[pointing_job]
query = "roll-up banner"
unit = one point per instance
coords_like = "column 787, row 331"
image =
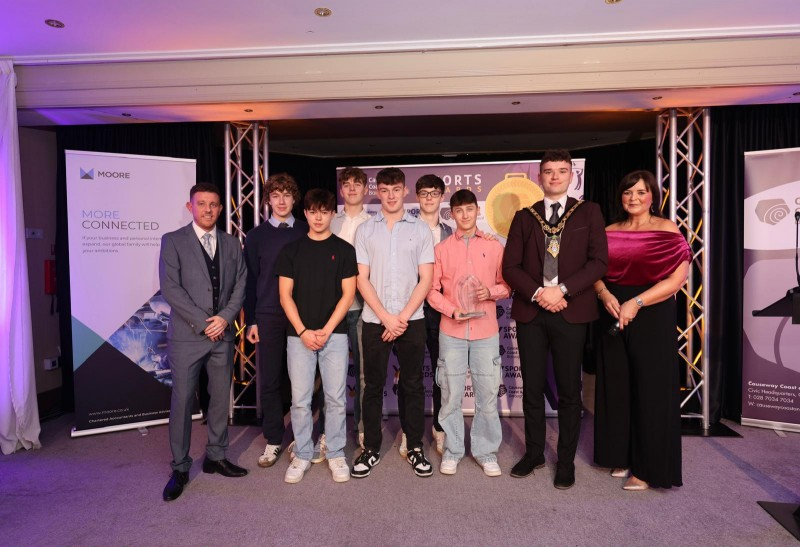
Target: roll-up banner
column 771, row 337
column 502, row 188
column 118, row 208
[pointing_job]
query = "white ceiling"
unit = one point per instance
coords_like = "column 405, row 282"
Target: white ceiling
column 201, row 28
column 719, row 66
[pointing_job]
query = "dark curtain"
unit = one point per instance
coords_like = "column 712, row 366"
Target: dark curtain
column 734, row 131
column 606, row 165
column 200, row 141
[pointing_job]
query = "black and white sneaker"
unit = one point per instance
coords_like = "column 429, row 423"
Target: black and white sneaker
column 422, row 467
column 365, row 462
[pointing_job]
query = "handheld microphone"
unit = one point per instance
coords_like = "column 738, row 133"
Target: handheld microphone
column 614, row 330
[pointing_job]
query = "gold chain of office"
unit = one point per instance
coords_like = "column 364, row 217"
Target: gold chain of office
column 552, row 234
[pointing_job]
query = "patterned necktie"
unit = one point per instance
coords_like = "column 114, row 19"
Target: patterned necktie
column 207, row 245
column 554, row 215
column 283, row 225
column 550, row 261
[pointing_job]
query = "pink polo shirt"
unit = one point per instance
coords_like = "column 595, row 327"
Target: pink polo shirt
column 456, row 257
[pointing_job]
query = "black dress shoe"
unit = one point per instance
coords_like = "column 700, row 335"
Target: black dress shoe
column 565, row 478
column 223, row 467
column 174, row 487
column 526, row 465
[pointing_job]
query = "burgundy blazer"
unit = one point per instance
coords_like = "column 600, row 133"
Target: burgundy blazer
column 582, row 260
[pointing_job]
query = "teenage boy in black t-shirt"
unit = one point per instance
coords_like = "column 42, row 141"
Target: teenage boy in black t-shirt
column 317, row 284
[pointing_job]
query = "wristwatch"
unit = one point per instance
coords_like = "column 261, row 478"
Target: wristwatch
column 638, row 301
column 563, row 288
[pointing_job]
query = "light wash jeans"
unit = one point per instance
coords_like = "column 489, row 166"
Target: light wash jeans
column 302, row 364
column 483, row 359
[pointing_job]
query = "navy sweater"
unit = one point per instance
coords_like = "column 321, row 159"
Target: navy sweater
column 261, row 250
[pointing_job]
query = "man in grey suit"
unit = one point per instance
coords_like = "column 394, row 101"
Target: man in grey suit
column 203, row 278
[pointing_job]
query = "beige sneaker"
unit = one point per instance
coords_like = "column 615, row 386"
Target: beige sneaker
column 438, row 437
column 403, row 448
column 296, row 470
column 491, row 469
column 320, row 449
column 339, row 469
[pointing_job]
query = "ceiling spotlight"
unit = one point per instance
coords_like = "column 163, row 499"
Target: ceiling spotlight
column 378, row 107
column 657, row 98
column 609, row 2
column 322, row 12
column 126, row 114
column 248, row 110
column 515, row 103
column 55, row 23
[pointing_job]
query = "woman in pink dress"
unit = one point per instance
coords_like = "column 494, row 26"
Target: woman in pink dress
column 637, row 406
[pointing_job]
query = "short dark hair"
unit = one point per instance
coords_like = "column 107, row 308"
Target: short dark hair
column 320, row 199
column 430, row 181
column 630, row 180
column 355, row 173
column 281, row 182
column 463, row 197
column 205, row 187
column 555, row 155
column 390, row 176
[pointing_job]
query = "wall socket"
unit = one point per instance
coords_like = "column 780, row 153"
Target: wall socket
column 51, row 364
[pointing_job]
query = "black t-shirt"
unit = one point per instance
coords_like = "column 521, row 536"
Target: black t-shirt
column 317, row 268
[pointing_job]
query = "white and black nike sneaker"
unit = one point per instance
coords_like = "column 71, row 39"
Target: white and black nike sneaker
column 422, row 467
column 365, row 462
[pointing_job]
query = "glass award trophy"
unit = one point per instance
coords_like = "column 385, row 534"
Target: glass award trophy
column 467, row 291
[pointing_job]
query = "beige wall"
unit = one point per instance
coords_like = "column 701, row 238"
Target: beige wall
column 38, row 161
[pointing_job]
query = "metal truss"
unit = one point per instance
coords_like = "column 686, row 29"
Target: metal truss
column 683, row 141
column 246, row 163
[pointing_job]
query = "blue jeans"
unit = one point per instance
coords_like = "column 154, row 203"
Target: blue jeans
column 353, row 322
column 483, row 359
column 302, row 370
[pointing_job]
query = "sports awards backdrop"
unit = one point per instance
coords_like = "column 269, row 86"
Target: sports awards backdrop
column 118, row 208
column 502, row 189
column 771, row 343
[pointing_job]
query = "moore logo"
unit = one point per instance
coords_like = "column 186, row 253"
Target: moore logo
column 502, row 390
column 90, row 174
column 500, row 311
column 446, row 213
column 502, row 350
column 772, row 211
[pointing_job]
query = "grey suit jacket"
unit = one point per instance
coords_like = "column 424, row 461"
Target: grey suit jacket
column 186, row 284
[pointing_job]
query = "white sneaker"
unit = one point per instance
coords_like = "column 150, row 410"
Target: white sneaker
column 339, row 469
column 270, row 455
column 438, row 436
column 296, row 470
column 491, row 469
column 448, row 467
column 320, row 449
column 403, row 448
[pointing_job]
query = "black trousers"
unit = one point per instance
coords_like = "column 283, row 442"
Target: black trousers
column 410, row 348
column 272, row 375
column 432, row 320
column 550, row 332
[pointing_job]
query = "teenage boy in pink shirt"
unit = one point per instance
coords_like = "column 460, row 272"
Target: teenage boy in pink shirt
column 468, row 334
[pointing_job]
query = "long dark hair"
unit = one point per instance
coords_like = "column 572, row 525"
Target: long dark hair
column 630, row 180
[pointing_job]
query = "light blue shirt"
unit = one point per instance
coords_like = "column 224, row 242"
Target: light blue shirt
column 275, row 222
column 393, row 259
